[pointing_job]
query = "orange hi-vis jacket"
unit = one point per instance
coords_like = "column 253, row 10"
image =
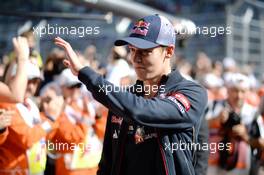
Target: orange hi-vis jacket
column 75, row 124
column 23, row 134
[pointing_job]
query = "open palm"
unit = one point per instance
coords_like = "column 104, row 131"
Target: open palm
column 73, row 61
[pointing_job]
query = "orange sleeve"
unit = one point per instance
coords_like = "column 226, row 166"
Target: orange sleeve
column 214, row 123
column 3, row 136
column 54, row 124
column 26, row 136
column 69, row 132
column 100, row 122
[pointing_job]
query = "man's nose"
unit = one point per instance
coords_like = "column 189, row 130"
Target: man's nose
column 137, row 57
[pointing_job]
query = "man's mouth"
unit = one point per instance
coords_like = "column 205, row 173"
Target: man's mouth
column 139, row 67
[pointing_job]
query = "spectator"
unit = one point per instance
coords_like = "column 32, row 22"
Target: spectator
column 229, row 123
column 15, row 89
column 77, row 123
column 24, row 150
column 118, row 67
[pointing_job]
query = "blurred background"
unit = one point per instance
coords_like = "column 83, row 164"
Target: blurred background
column 244, row 44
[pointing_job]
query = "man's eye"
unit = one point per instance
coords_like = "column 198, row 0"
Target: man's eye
column 132, row 50
column 147, row 52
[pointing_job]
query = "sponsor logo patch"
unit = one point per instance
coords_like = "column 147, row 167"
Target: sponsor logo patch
column 178, row 104
column 141, row 27
column 116, row 119
column 180, row 98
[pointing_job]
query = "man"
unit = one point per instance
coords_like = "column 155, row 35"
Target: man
column 24, row 151
column 230, row 121
column 13, row 91
column 143, row 126
column 76, row 128
column 34, row 55
column 118, row 67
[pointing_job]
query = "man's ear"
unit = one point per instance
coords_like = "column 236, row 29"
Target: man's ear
column 169, row 51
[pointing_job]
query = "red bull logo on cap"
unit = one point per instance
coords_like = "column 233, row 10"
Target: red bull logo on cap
column 141, row 27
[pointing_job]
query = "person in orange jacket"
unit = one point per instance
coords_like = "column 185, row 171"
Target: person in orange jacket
column 5, row 121
column 14, row 91
column 3, row 135
column 75, row 143
column 24, row 150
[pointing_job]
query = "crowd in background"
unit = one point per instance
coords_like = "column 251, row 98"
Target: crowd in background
column 50, row 123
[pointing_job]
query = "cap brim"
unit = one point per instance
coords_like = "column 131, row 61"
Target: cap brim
column 71, row 84
column 35, row 77
column 137, row 42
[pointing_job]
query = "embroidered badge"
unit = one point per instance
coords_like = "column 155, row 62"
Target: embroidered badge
column 141, row 27
column 117, row 120
column 139, row 135
column 182, row 99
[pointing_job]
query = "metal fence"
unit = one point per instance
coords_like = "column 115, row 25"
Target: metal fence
column 246, row 43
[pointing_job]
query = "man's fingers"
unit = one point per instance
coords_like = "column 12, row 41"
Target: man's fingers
column 21, row 47
column 63, row 43
column 66, row 47
column 59, row 39
column 60, row 44
column 72, row 62
column 71, row 54
column 21, row 40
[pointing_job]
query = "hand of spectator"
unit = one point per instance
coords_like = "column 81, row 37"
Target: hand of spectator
column 5, row 118
column 21, row 48
column 261, row 143
column 223, row 116
column 256, row 143
column 73, row 61
column 54, row 107
column 240, row 131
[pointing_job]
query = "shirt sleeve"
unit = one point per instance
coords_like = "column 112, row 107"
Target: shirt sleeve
column 180, row 110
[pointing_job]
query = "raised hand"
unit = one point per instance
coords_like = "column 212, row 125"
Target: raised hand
column 21, row 48
column 224, row 114
column 73, row 61
column 240, row 131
